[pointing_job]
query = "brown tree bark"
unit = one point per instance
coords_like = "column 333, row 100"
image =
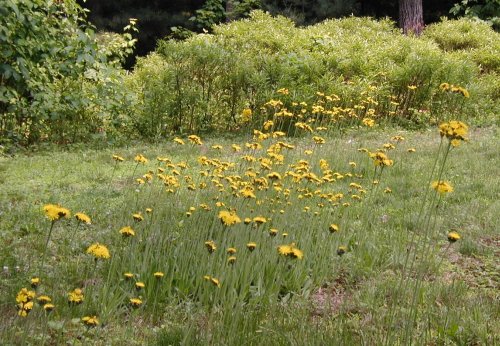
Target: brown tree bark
column 411, row 18
column 229, row 10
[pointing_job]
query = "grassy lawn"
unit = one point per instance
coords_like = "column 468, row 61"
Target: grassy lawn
column 398, row 280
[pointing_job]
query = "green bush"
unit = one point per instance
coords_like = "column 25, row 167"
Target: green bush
column 57, row 82
column 203, row 83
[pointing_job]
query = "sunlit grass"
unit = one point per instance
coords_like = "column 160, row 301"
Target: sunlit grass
column 329, row 296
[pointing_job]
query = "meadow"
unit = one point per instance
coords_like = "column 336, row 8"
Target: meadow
column 327, row 236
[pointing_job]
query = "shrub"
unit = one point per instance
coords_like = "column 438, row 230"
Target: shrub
column 203, row 83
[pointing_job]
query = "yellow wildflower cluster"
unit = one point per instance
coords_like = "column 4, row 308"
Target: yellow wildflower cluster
column 56, row 212
column 455, row 131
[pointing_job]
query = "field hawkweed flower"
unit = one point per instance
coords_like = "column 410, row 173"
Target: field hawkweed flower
column 158, row 275
column 210, row 245
column 368, row 122
column 442, row 187
column 25, row 295
column 98, row 251
column 412, row 150
column 246, row 115
column 259, row 220
column 35, row 282
column 215, row 282
column 135, row 302
column 81, row 217
column 251, row 246
column 341, row 250
column 228, row 218
column 334, row 228
column 231, row 250
column 76, row 296
column 128, row 276
column 195, row 139
column 231, row 259
column 48, row 307
column 118, row 158
column 90, row 321
column 24, row 308
column 453, row 236
column 149, row 210
column 273, row 232
column 247, row 220
column 138, row 217
column 290, row 251
column 42, row 300
column 139, row 285
column 381, row 159
column 140, row 159
column 455, row 131
column 127, row 231
column 55, row 212
column 178, row 141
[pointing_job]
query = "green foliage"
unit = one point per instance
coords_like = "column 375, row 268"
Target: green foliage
column 487, row 10
column 57, row 81
column 204, row 83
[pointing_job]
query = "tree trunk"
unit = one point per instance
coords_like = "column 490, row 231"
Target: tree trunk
column 229, row 10
column 411, row 18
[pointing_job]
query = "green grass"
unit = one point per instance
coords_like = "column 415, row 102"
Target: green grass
column 323, row 299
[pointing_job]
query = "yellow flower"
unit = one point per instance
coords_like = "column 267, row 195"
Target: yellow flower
column 333, row 228
column 247, row 220
column 453, row 236
column 318, row 140
column 90, row 321
column 149, row 210
column 231, row 259
column 55, row 212
column 290, row 251
column 231, row 250
column 454, row 130
column 98, row 251
column 118, row 158
column 193, row 139
column 135, row 302
column 412, row 150
column 35, row 282
column 140, row 159
column 215, row 281
column 246, row 115
column 273, row 232
column 138, row 217
column 25, row 295
column 368, row 122
column 444, row 86
column 127, row 231
column 178, row 141
column 75, row 296
column 81, row 217
column 158, row 275
column 128, row 275
column 228, row 218
column 42, row 300
column 210, row 245
column 442, row 187
column 380, row 159
column 251, row 246
column 48, row 307
column 259, row 220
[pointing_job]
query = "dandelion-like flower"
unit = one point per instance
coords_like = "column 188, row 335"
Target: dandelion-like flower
column 35, row 282
column 341, row 250
column 135, row 302
column 118, row 158
column 251, row 246
column 139, row 285
column 210, row 245
column 333, row 228
column 140, row 159
column 138, row 217
column 98, row 251
column 76, row 296
column 228, row 218
column 81, row 217
column 453, row 236
column 455, row 131
column 127, row 231
column 55, row 212
column 442, row 187
column 90, row 321
column 158, row 275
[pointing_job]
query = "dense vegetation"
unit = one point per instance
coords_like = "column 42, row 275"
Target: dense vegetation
column 317, row 216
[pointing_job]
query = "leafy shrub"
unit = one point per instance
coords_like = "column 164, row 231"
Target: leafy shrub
column 203, row 83
column 57, row 81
